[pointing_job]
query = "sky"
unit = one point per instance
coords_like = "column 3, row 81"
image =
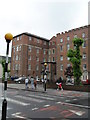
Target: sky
column 44, row 18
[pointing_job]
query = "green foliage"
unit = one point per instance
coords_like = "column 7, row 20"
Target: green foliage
column 75, row 59
column 3, row 62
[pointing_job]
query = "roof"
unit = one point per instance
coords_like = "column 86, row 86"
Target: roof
column 32, row 35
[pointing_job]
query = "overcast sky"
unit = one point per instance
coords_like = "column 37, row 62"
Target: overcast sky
column 44, row 18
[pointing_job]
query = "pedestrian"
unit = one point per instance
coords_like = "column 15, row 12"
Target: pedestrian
column 35, row 84
column 32, row 82
column 26, row 83
column 59, row 84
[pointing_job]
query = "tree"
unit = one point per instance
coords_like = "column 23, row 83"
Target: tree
column 3, row 62
column 75, row 59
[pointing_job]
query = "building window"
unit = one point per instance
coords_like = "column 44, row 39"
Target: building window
column 16, row 67
column 61, row 57
column 84, row 66
column 84, row 55
column 61, row 67
column 44, row 42
column 14, row 49
column 49, row 52
column 68, row 58
column 49, row 60
column 16, row 57
column 53, row 43
column 29, row 48
column 75, row 36
column 29, row 67
column 53, row 51
column 37, row 40
column 20, row 48
column 68, row 46
column 53, row 60
column 49, row 43
column 61, row 48
column 29, row 57
column 37, row 67
column 84, row 44
column 83, row 35
column 61, row 40
column 44, row 60
column 17, row 38
column 30, row 38
column 37, row 58
column 37, row 50
column 44, row 52
column 20, row 37
column 17, row 48
column 68, row 65
column 68, row 38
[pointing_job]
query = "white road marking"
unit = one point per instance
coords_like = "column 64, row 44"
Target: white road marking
column 17, row 102
column 34, row 108
column 47, row 98
column 67, row 100
column 46, row 105
column 18, row 115
column 79, row 113
column 58, row 102
column 76, row 105
column 74, row 99
column 29, row 98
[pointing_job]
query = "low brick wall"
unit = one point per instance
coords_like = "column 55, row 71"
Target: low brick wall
column 84, row 88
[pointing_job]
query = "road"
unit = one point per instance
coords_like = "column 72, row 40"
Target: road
column 29, row 105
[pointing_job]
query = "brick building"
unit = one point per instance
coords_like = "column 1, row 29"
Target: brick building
column 30, row 52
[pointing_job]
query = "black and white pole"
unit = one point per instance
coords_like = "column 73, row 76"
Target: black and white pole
column 45, row 77
column 8, row 38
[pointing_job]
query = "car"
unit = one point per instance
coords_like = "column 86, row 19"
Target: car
column 20, row 79
column 86, row 82
column 14, row 77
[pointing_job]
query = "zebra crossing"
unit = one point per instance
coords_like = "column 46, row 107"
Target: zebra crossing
column 35, row 102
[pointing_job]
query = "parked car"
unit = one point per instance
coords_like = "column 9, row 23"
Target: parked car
column 86, row 82
column 20, row 79
column 14, row 77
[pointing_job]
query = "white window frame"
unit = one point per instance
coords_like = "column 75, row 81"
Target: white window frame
column 61, row 40
column 61, row 57
column 29, row 67
column 61, row 67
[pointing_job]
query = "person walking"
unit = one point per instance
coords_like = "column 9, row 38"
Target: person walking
column 32, row 82
column 59, row 84
column 35, row 84
column 26, row 83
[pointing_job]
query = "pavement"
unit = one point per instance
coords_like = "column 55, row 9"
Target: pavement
column 49, row 90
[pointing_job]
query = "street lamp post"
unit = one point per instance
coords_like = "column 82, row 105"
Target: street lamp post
column 45, row 75
column 8, row 38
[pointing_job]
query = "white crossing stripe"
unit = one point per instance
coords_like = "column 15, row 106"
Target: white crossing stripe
column 58, row 102
column 17, row 102
column 46, row 105
column 18, row 115
column 67, row 100
column 47, row 98
column 30, row 99
column 34, row 108
column 74, row 99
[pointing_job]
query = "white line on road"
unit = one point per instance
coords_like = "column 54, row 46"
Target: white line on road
column 17, row 102
column 79, row 113
column 74, row 99
column 34, row 109
column 67, row 100
column 46, row 105
column 17, row 115
column 47, row 98
column 29, row 98
column 76, row 105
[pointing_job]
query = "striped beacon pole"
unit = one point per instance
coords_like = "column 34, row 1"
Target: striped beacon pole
column 45, row 78
column 8, row 38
